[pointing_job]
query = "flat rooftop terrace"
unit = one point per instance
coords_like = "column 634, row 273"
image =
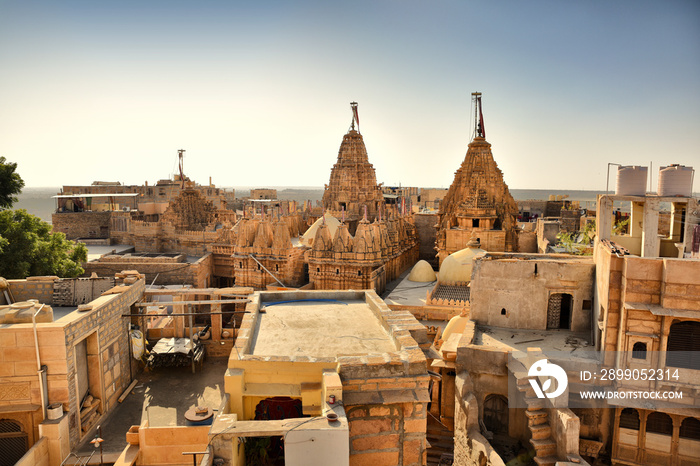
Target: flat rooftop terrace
column 576, row 344
column 319, row 328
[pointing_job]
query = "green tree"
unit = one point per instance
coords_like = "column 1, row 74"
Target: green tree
column 10, row 183
column 27, row 247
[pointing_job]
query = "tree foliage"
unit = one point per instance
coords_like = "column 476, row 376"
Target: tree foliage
column 10, row 183
column 27, row 247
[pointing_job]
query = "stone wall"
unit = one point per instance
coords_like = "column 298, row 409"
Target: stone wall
column 111, row 360
column 387, row 434
column 198, row 274
column 426, row 228
column 82, row 224
column 470, row 447
column 76, row 291
column 38, row 455
column 40, row 288
column 500, row 280
column 19, row 383
column 108, row 370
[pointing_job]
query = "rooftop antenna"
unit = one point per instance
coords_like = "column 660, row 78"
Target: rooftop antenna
column 180, row 156
column 355, row 117
column 479, row 130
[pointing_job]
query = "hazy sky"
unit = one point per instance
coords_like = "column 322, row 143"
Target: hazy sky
column 258, row 92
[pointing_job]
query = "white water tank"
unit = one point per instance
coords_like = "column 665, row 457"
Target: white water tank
column 631, row 181
column 675, row 180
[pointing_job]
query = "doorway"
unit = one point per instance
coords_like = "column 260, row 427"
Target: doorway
column 496, row 414
column 559, row 311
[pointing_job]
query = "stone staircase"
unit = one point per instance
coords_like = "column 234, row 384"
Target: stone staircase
column 537, row 419
column 542, row 441
column 440, row 443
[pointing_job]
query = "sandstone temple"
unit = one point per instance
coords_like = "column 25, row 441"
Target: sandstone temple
column 478, row 202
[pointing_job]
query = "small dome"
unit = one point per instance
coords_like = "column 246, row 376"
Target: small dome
column 307, row 239
column 422, row 272
column 457, row 267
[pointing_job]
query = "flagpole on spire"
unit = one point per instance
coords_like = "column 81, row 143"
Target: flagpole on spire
column 355, row 116
column 479, row 130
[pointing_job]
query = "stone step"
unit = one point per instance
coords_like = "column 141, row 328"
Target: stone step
column 534, row 404
column 544, row 447
column 541, row 431
column 546, row 461
column 535, row 418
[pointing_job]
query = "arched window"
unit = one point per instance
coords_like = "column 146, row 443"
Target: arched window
column 13, row 441
column 660, row 423
column 639, row 350
column 629, row 419
column 690, row 428
column 684, row 345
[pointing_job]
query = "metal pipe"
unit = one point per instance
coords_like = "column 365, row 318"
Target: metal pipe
column 185, row 314
column 189, row 310
column 607, row 177
column 42, row 389
column 175, row 303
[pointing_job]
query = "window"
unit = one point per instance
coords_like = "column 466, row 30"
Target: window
column 639, row 350
column 337, row 271
column 629, row 419
column 475, row 223
column 660, row 423
column 690, row 428
column 359, row 273
column 318, row 269
column 683, row 349
column 13, row 441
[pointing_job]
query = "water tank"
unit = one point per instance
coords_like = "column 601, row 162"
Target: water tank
column 631, row 181
column 675, row 180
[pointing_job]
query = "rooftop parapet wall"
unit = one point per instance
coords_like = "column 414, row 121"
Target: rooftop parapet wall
column 669, row 283
column 39, row 288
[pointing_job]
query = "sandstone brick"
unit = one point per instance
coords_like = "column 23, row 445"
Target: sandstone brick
column 643, row 268
column 18, row 354
column 415, row 425
column 379, row 411
column 369, row 426
column 681, row 303
column 388, row 458
column 376, row 442
column 7, row 339
column 682, row 271
column 7, row 370
column 412, row 451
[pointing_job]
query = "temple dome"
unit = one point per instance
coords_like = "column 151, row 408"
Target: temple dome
column 457, row 267
column 422, row 272
column 307, row 239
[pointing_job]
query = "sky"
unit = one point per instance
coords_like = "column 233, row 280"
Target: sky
column 258, row 93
